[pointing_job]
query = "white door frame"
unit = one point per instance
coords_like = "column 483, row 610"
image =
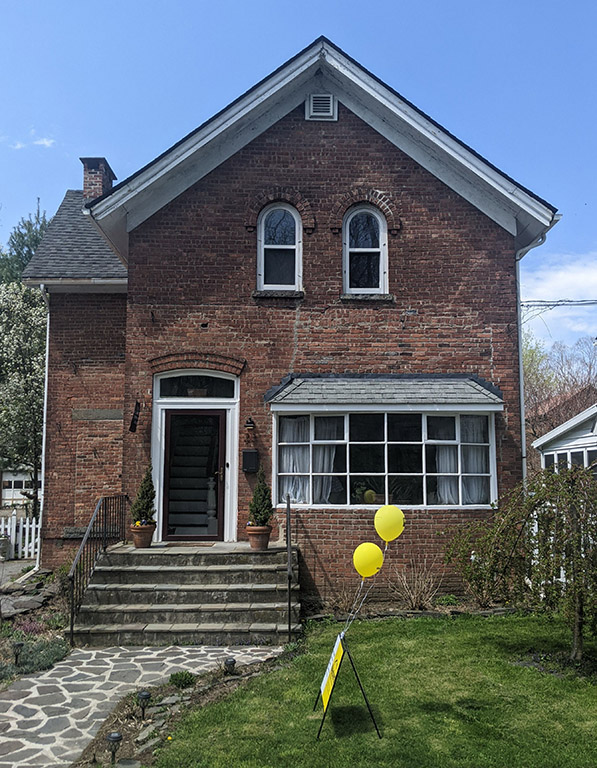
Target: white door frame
column 158, row 442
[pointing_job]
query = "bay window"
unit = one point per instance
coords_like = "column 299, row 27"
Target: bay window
column 409, row 459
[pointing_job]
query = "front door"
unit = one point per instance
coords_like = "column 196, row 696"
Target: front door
column 194, row 466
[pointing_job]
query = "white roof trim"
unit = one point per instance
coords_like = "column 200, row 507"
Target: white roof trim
column 80, row 285
column 461, row 169
column 575, row 421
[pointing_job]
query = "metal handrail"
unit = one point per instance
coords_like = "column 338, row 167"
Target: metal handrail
column 107, row 526
column 289, row 566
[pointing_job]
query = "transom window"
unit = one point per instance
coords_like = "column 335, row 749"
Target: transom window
column 410, row 459
column 582, row 457
column 365, row 251
column 196, row 385
column 279, row 248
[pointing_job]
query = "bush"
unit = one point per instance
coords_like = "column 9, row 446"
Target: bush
column 35, row 657
column 183, row 679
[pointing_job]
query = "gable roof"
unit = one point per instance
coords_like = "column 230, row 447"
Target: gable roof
column 432, row 391
column 586, row 415
column 322, row 67
column 73, row 250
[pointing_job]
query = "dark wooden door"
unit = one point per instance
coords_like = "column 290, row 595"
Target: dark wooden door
column 194, row 475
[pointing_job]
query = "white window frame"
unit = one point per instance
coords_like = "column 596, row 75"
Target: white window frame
column 158, row 440
column 555, row 454
column 327, row 411
column 383, row 250
column 297, row 247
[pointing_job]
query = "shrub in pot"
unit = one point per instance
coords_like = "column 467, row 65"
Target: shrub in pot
column 143, row 511
column 260, row 513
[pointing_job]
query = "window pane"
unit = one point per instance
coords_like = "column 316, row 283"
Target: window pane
column 329, row 458
column 591, row 460
column 196, row 386
column 441, row 427
column 7, row 483
column 562, row 460
column 367, row 490
column 18, row 484
column 577, row 458
column 474, row 429
column 297, row 487
column 442, row 490
column 404, row 427
column 475, row 490
column 294, row 429
column 475, row 459
column 329, row 427
column 279, row 228
column 406, row 490
column 364, row 269
column 441, row 458
column 329, row 490
column 367, row 458
column 549, row 460
column 405, row 458
column 364, row 231
column 366, row 427
column 293, row 458
column 278, row 266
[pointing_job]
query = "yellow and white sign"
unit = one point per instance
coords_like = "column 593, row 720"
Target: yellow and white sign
column 327, row 684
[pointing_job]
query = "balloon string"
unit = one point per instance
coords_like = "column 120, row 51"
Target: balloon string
column 350, row 617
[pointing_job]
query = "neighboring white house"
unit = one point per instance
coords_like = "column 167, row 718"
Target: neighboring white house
column 572, row 443
column 13, row 483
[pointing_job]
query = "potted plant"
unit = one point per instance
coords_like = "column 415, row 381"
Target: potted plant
column 142, row 512
column 260, row 513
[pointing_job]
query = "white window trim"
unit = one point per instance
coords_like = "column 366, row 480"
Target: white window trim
column 158, row 441
column 493, row 489
column 298, row 249
column 585, row 450
column 383, row 250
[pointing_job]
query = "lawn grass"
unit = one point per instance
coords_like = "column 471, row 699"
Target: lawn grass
column 445, row 693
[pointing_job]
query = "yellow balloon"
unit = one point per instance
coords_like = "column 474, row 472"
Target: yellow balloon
column 389, row 522
column 367, row 559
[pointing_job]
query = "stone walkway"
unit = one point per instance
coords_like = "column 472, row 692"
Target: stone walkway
column 47, row 720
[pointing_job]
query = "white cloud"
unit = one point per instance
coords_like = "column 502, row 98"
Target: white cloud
column 555, row 277
column 17, row 145
column 44, row 142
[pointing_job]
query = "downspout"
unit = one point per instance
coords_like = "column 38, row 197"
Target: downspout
column 44, row 293
column 519, row 255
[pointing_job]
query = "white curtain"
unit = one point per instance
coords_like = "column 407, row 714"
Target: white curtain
column 323, row 460
column 447, row 461
column 475, row 459
column 293, row 459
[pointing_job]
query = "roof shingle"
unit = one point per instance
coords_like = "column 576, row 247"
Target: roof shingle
column 72, row 247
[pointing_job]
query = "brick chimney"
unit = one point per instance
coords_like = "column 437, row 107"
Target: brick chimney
column 97, row 177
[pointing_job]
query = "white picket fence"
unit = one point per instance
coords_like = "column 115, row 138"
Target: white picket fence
column 23, row 533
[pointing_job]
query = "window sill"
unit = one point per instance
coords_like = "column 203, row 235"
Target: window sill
column 384, row 298
column 278, row 294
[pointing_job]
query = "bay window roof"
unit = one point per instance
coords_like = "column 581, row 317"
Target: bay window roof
column 431, row 391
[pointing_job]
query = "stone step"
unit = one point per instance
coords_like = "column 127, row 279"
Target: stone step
column 191, row 574
column 182, row 556
column 201, row 613
column 118, row 594
column 229, row 634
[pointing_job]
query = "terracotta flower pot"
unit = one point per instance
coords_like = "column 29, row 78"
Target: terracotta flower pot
column 142, row 535
column 259, row 536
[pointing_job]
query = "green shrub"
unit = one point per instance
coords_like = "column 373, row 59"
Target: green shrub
column 35, row 657
column 183, row 679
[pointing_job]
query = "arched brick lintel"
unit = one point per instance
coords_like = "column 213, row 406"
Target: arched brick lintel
column 382, row 200
column 200, row 360
column 289, row 195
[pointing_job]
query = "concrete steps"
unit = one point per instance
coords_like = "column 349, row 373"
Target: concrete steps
column 226, row 594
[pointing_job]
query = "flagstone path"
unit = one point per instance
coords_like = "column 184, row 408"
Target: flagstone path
column 47, row 719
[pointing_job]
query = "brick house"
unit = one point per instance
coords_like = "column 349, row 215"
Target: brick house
column 320, row 273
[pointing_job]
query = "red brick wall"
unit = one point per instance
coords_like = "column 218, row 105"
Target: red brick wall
column 83, row 456
column 193, row 270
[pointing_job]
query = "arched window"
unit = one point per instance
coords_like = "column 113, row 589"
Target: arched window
column 280, row 235
column 365, row 251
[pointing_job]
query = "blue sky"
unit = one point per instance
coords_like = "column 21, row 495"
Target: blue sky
column 126, row 79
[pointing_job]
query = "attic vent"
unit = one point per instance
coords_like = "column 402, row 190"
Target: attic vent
column 321, row 106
